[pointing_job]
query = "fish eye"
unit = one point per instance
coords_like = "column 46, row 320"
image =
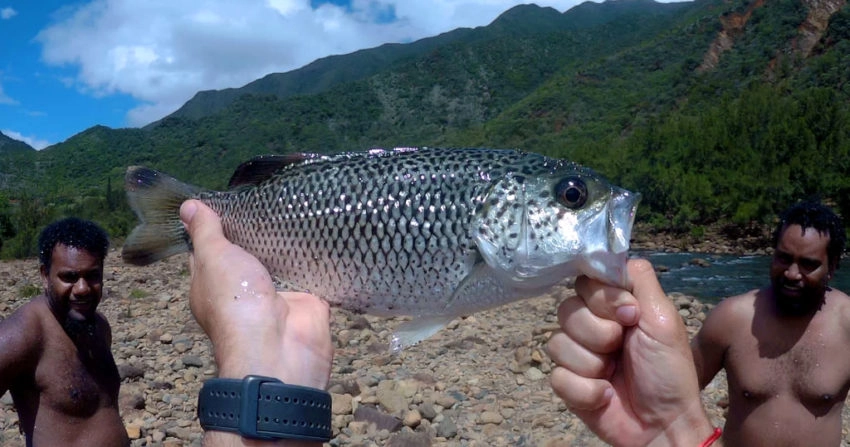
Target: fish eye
column 571, row 192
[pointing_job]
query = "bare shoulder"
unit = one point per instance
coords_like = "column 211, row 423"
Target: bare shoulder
column 730, row 313
column 839, row 305
column 22, row 335
column 735, row 308
column 27, row 317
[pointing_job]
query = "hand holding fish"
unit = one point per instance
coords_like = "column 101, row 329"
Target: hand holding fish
column 625, row 366
column 254, row 328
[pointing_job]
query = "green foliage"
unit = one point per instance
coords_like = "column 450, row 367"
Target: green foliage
column 139, row 294
column 743, row 159
column 29, row 291
column 28, row 216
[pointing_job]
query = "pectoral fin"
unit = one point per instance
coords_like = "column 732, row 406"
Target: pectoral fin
column 414, row 331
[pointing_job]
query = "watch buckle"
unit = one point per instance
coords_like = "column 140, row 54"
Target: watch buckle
column 249, row 404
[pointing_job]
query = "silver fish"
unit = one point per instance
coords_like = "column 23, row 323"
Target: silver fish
column 432, row 233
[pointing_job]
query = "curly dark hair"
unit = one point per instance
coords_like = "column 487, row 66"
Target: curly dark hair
column 72, row 232
column 815, row 215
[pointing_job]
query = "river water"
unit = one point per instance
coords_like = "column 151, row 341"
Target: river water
column 725, row 276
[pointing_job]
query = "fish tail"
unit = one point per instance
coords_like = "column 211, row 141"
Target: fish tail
column 156, row 199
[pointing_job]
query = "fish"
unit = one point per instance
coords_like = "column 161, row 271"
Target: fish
column 431, row 233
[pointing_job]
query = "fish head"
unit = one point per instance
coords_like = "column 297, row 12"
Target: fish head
column 535, row 229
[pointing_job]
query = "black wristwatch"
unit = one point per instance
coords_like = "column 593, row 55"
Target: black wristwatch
column 265, row 408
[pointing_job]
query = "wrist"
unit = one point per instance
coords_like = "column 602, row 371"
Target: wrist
column 236, row 356
column 263, row 411
column 223, row 439
column 691, row 428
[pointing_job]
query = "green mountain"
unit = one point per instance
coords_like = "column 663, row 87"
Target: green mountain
column 326, row 73
column 9, row 145
column 13, row 155
column 717, row 111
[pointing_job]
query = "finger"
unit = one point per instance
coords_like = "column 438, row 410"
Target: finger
column 202, row 223
column 580, row 393
column 596, row 334
column 608, row 302
column 565, row 352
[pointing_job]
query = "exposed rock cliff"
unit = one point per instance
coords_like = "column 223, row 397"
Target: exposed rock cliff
column 810, row 31
column 813, row 28
column 733, row 26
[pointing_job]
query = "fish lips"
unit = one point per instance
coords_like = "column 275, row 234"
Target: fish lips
column 621, row 219
column 607, row 263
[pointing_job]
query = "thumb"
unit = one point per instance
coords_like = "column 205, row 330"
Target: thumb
column 202, row 223
column 659, row 317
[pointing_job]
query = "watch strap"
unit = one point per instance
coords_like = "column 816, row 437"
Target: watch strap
column 265, row 408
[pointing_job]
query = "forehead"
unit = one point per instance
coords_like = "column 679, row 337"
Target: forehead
column 809, row 243
column 73, row 258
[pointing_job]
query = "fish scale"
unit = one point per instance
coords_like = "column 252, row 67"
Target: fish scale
column 434, row 233
column 347, row 244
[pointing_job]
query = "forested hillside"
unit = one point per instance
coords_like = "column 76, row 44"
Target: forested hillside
column 716, row 111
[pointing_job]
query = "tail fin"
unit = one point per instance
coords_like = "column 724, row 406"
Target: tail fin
column 156, row 199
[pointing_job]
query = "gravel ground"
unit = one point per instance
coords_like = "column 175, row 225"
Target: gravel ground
column 483, row 381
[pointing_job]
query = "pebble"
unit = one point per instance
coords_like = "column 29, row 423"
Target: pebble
column 490, row 417
column 533, row 374
column 341, row 404
column 412, row 418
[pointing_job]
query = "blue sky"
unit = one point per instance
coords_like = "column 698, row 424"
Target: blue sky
column 66, row 66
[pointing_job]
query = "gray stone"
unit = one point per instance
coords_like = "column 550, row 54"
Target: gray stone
column 193, row 360
column 427, row 410
column 447, row 428
column 130, row 372
column 409, row 439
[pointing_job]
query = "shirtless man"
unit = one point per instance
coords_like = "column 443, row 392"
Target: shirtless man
column 55, row 356
column 784, row 347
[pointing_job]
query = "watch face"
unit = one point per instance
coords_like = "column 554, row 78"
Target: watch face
column 265, row 408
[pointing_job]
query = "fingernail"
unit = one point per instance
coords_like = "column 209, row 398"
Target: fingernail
column 187, row 211
column 627, row 315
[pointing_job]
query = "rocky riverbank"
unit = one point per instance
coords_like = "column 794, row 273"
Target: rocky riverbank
column 483, row 381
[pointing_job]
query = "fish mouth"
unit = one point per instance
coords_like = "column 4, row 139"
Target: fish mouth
column 609, row 265
column 621, row 219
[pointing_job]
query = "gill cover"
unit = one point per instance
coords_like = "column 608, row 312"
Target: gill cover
column 535, row 231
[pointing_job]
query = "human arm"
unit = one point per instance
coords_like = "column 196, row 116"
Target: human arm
column 20, row 348
column 709, row 345
column 253, row 328
column 624, row 365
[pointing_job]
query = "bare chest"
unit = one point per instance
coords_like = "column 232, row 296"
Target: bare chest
column 809, row 369
column 78, row 381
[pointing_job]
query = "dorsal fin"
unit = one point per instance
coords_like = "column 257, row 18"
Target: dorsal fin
column 261, row 167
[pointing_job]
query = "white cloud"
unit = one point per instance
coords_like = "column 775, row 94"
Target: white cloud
column 162, row 52
column 7, row 13
column 5, row 99
column 32, row 141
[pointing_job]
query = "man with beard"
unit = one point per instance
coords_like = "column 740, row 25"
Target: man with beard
column 784, row 347
column 55, row 356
